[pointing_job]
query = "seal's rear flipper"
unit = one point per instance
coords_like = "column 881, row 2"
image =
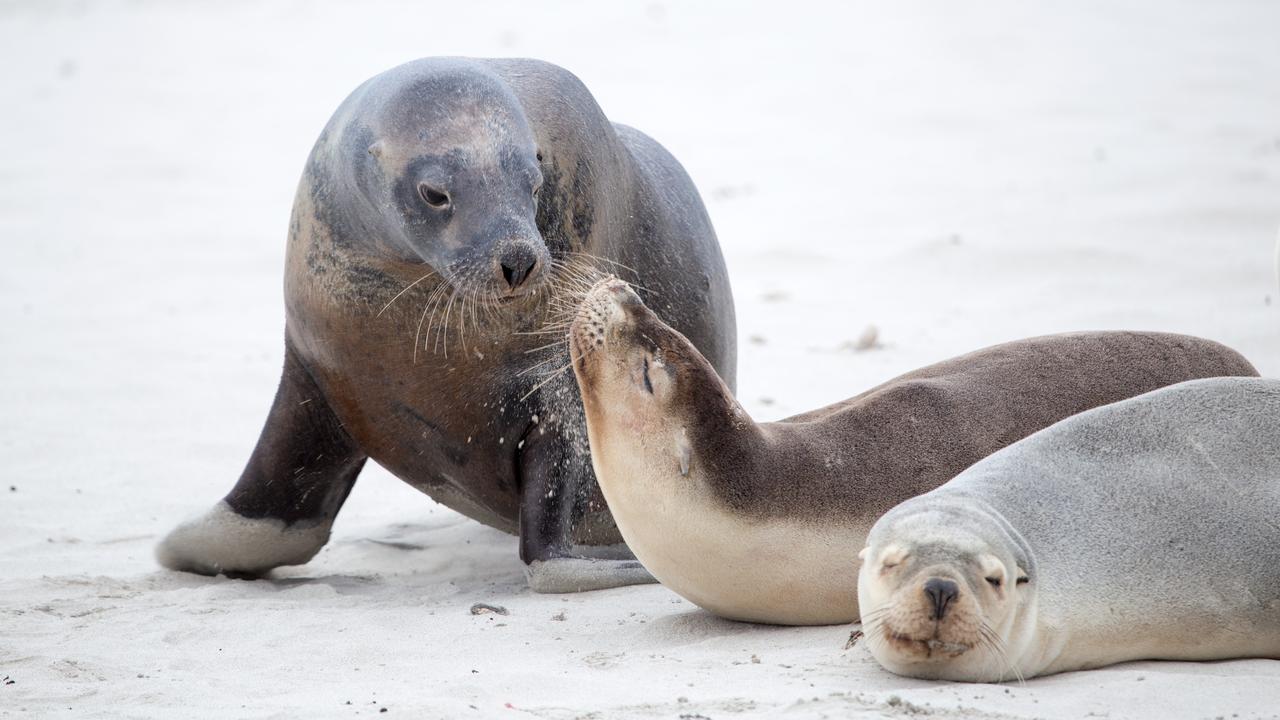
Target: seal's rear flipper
column 281, row 510
column 222, row 541
column 566, row 575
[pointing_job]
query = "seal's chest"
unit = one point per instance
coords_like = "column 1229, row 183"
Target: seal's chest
column 762, row 570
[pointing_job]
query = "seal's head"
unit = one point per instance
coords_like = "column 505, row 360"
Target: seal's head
column 946, row 592
column 451, row 170
column 644, row 385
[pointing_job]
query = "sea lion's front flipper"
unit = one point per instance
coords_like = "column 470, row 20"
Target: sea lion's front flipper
column 281, row 510
column 557, row 494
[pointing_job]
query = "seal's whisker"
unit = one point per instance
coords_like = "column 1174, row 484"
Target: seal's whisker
column 555, row 374
column 996, row 643
column 432, row 325
column 481, row 311
column 563, row 303
column 582, row 277
column 443, row 329
column 581, row 271
column 430, row 303
column 874, row 614
column 993, row 654
column 615, row 263
column 564, row 299
column 633, row 283
column 560, row 327
column 402, row 292
column 462, row 323
column 563, row 313
column 468, row 303
column 571, row 291
column 539, row 364
column 537, row 332
column 546, row 347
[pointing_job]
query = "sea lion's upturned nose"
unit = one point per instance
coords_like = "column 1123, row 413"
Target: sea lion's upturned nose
column 942, row 593
column 517, row 264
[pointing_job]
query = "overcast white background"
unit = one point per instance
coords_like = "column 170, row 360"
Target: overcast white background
column 951, row 174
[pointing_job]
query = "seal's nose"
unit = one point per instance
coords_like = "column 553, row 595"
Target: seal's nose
column 518, row 264
column 942, row 593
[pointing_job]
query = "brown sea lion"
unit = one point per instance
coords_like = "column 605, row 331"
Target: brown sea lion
column 764, row 521
column 444, row 212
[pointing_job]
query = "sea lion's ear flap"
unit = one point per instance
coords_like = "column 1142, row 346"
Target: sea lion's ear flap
column 684, row 453
column 376, row 149
column 863, row 553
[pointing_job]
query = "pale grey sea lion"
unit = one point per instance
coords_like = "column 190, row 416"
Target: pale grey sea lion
column 1145, row 529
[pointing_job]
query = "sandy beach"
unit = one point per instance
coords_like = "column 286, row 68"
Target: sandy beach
column 891, row 184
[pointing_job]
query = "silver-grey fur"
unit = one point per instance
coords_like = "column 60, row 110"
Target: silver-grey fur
column 1147, row 529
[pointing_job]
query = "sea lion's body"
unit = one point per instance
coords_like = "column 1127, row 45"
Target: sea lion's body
column 429, row 376
column 1146, row 529
column 763, row 521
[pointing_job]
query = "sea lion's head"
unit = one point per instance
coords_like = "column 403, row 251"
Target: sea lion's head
column 644, row 386
column 450, row 168
column 946, row 592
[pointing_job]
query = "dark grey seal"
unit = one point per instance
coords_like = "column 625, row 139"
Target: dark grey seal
column 448, row 212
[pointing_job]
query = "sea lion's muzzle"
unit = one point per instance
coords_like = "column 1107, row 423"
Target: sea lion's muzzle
column 941, row 594
column 605, row 319
column 518, row 268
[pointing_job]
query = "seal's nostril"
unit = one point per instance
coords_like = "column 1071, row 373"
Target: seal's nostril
column 517, row 266
column 942, row 593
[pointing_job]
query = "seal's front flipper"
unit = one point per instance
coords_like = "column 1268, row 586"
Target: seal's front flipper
column 555, row 509
column 281, row 510
column 578, row 574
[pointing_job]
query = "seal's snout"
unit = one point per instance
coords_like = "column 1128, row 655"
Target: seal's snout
column 613, row 291
column 942, row 595
column 602, row 312
column 518, row 265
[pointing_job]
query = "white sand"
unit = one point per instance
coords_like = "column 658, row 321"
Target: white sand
column 955, row 176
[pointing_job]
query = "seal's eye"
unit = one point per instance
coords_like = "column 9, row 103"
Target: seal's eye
column 1023, row 579
column 994, row 582
column 433, row 197
column 647, row 384
column 539, row 156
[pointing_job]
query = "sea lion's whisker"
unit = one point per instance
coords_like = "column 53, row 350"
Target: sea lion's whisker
column 443, row 329
column 545, row 347
column 581, row 271
column 553, row 376
column 582, row 277
column 462, row 323
column 537, row 332
column 405, row 290
column 633, row 283
column 539, row 364
column 579, row 253
column 996, row 643
column 432, row 325
column 557, row 328
column 418, row 334
column 475, row 324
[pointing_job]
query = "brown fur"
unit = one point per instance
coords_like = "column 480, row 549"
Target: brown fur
column 913, row 433
column 763, row 521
